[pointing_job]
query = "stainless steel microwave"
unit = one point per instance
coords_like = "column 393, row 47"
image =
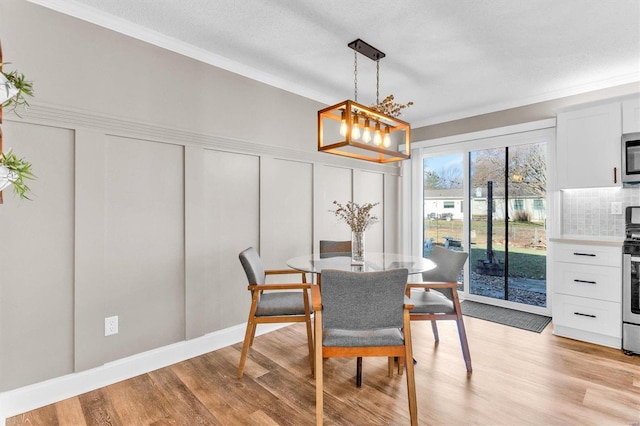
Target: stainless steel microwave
column 631, row 158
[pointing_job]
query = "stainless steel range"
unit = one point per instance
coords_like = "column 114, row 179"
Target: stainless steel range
column 631, row 283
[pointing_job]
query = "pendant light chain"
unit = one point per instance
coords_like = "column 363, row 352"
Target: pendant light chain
column 355, row 76
column 378, row 82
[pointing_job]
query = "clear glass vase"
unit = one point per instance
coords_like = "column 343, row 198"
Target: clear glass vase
column 357, row 248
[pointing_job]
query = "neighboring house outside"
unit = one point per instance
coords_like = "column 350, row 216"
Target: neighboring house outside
column 448, row 204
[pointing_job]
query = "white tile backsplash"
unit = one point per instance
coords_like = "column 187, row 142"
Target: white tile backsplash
column 587, row 212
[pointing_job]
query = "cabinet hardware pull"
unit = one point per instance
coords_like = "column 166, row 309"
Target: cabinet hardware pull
column 584, row 315
column 585, row 282
column 615, row 175
column 584, row 254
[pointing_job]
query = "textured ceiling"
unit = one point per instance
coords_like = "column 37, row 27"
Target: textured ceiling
column 453, row 59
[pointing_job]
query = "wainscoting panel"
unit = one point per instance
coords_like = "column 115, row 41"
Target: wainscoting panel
column 232, row 223
column 286, row 210
column 331, row 183
column 368, row 187
column 36, row 260
column 141, row 278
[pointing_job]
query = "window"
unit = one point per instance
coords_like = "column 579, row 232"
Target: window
column 518, row 205
column 538, row 205
column 449, row 205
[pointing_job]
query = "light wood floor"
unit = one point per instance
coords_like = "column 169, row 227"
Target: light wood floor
column 519, row 378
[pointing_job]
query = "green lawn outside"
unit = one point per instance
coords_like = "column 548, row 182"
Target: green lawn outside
column 527, row 252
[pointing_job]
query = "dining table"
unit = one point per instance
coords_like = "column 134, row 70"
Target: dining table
column 373, row 262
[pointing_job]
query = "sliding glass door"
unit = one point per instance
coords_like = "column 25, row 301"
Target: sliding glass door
column 507, row 224
column 491, row 203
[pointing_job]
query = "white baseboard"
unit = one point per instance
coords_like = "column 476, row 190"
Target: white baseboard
column 38, row 395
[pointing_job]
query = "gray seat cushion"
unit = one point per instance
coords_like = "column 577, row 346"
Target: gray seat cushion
column 430, row 302
column 354, row 338
column 281, row 303
column 363, row 300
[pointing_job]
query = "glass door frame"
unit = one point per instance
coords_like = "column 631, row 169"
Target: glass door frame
column 464, row 146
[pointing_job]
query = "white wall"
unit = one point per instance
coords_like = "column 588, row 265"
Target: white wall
column 154, row 172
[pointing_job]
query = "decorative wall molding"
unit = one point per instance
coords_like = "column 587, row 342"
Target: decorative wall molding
column 56, row 116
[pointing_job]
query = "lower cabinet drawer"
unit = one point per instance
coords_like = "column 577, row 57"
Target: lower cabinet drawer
column 590, row 315
column 592, row 281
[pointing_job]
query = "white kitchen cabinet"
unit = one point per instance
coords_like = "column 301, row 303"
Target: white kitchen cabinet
column 588, row 146
column 587, row 293
column 631, row 115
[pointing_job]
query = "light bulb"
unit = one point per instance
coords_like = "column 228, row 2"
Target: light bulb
column 366, row 134
column 377, row 138
column 386, row 142
column 355, row 130
column 343, row 125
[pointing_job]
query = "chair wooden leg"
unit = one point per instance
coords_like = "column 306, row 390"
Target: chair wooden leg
column 464, row 344
column 359, row 372
column 310, row 344
column 318, row 367
column 249, row 334
column 434, row 328
column 251, row 329
column 400, row 362
column 253, row 334
column 411, row 380
column 391, row 365
column 307, row 310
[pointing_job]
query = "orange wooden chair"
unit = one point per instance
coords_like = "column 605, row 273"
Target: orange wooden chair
column 280, row 303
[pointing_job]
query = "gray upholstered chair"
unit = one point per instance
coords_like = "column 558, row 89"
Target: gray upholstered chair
column 363, row 314
column 334, row 248
column 437, row 297
column 281, row 303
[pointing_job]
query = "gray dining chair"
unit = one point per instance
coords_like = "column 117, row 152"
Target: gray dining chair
column 330, row 248
column 363, row 314
column 436, row 298
column 281, row 303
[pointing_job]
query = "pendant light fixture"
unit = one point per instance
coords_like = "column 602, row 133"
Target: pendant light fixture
column 353, row 130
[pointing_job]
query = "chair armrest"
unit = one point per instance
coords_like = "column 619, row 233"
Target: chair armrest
column 408, row 303
column 432, row 284
column 316, row 298
column 285, row 286
column 286, row 272
column 282, row 271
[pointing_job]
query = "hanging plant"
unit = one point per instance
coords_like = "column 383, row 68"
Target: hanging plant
column 14, row 170
column 14, row 85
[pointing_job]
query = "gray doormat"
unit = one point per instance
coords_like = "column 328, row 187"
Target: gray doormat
column 510, row 317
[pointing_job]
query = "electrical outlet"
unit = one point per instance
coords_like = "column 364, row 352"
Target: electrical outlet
column 111, row 326
column 616, row 207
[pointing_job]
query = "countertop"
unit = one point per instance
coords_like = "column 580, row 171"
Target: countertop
column 596, row 240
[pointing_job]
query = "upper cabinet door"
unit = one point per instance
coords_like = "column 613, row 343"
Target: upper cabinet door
column 588, row 147
column 631, row 115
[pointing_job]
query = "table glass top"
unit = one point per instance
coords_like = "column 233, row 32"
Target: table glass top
column 373, row 262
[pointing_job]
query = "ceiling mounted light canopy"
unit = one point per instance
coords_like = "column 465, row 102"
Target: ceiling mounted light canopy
column 370, row 133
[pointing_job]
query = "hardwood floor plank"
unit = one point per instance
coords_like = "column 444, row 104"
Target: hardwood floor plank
column 98, row 410
column 69, row 412
column 181, row 403
column 519, row 377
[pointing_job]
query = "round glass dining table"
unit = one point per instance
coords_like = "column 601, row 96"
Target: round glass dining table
column 315, row 263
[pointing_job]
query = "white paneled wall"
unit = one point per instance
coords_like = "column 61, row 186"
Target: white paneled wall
column 332, row 184
column 154, row 239
column 36, row 261
column 232, row 223
column 369, row 188
column 286, row 210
